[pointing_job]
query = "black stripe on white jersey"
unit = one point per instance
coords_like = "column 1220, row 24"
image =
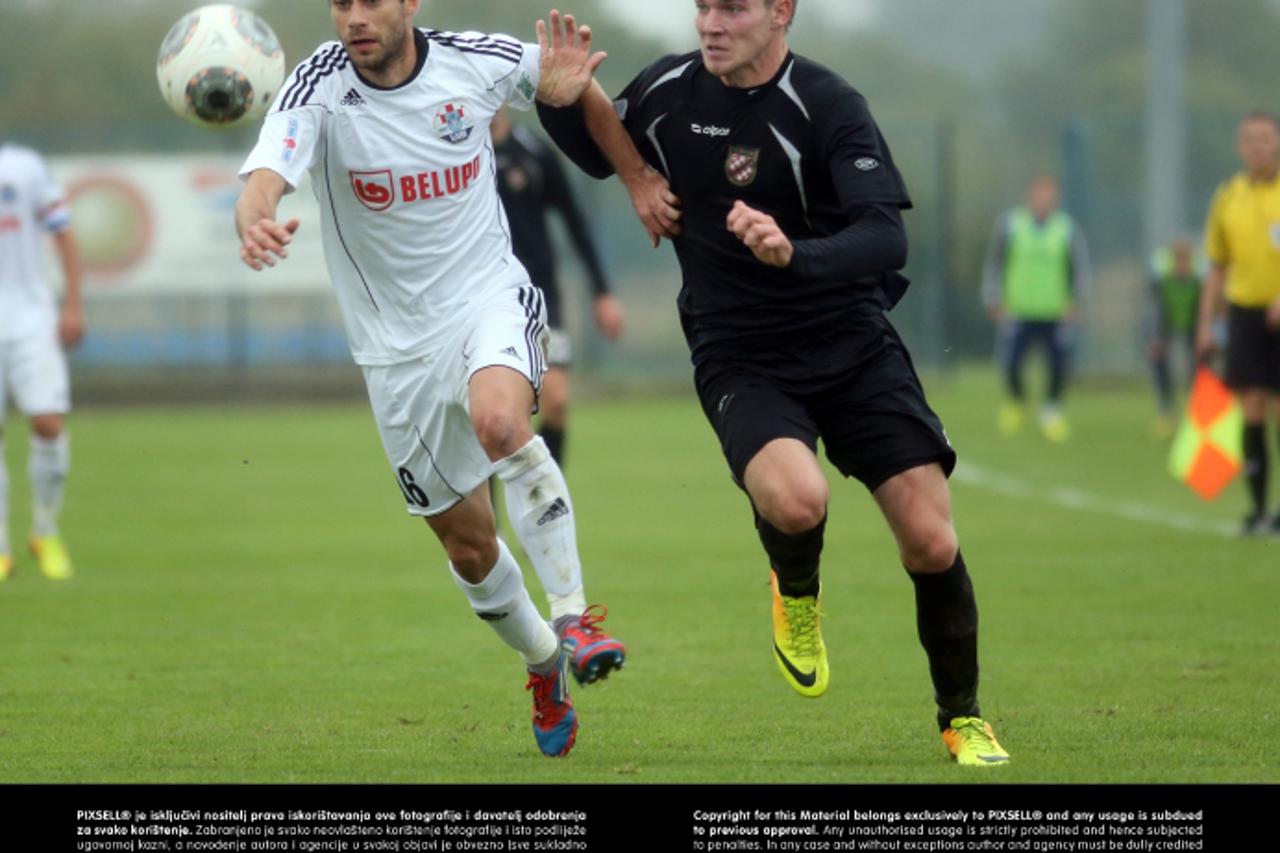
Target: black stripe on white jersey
column 328, row 186
column 502, row 49
column 303, row 73
column 305, row 86
column 502, row 42
column 337, row 66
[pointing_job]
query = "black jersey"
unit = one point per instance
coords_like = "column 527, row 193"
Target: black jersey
column 802, row 148
column 531, row 182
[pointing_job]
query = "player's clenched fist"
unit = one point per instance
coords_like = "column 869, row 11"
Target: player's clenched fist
column 761, row 234
column 265, row 238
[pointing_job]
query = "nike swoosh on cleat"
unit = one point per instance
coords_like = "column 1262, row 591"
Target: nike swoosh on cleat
column 807, row 679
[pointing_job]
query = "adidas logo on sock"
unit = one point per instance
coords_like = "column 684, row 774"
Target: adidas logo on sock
column 556, row 510
column 352, row 99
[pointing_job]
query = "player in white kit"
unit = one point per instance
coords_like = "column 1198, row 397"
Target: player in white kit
column 33, row 332
column 392, row 123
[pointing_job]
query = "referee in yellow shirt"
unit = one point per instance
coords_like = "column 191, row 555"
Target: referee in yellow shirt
column 1242, row 241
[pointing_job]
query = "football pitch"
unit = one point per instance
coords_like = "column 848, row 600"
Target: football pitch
column 253, row 605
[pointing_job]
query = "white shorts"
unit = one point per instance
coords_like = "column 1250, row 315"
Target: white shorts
column 422, row 407
column 33, row 370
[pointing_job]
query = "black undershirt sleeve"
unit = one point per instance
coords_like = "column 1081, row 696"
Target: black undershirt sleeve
column 874, row 242
column 871, row 194
column 568, row 129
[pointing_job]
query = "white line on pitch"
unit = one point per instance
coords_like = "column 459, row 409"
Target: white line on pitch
column 1070, row 498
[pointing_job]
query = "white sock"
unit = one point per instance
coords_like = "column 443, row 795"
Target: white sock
column 541, row 513
column 4, row 502
column 47, row 468
column 502, row 601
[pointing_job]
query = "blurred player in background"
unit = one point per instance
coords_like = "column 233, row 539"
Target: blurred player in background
column 789, row 238
column 392, row 122
column 1173, row 303
column 532, row 183
column 33, row 335
column 1242, row 241
column 1036, row 275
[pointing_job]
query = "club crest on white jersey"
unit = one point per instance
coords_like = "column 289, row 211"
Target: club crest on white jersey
column 454, row 123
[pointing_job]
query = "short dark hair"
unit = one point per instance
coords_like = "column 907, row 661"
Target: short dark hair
column 794, row 4
column 1261, row 115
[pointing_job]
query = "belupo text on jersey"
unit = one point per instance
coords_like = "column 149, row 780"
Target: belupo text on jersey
column 376, row 189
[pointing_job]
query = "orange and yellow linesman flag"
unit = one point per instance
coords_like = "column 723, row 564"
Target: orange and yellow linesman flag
column 1207, row 451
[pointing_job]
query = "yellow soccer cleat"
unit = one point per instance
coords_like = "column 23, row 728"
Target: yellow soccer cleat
column 972, row 743
column 52, row 556
column 1054, row 426
column 6, row 567
column 797, row 642
column 1009, row 420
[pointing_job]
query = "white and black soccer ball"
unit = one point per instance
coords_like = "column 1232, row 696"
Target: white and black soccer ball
column 220, row 66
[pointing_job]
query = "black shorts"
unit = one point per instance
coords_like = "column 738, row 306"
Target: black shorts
column 1253, row 350
column 857, row 391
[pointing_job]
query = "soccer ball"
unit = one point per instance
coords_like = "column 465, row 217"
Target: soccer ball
column 220, row 66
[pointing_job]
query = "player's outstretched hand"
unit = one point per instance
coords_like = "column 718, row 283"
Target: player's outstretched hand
column 761, row 234
column 609, row 316
column 71, row 325
column 265, row 238
column 656, row 205
column 567, row 63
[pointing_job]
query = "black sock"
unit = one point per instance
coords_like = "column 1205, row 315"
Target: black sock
column 793, row 558
column 1255, row 464
column 553, row 437
column 947, row 622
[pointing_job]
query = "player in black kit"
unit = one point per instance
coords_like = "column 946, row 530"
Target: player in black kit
column 532, row 183
column 789, row 237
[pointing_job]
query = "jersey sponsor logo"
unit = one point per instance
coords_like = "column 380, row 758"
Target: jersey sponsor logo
column 439, row 183
column 454, row 123
column 375, row 190
column 9, row 223
column 290, row 140
column 866, row 164
column 352, row 99
column 742, row 165
column 708, row 130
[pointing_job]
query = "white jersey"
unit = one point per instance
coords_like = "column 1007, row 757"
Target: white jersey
column 415, row 237
column 30, row 205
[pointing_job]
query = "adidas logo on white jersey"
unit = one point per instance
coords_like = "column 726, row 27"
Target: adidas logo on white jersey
column 352, row 99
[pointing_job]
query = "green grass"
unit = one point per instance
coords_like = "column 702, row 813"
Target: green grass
column 252, row 605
